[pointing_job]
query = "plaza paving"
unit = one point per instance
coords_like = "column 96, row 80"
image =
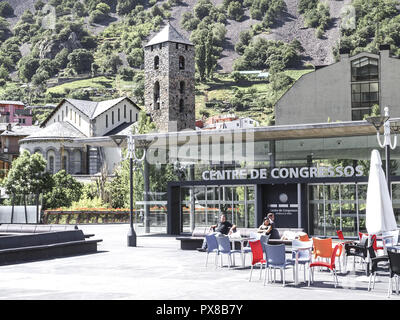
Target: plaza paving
column 158, row 270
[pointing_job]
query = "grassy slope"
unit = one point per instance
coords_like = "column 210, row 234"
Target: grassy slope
column 220, row 88
column 223, row 86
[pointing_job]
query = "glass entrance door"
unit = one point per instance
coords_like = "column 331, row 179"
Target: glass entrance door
column 201, row 206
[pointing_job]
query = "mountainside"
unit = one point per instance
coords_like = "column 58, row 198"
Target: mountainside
column 93, row 49
column 289, row 26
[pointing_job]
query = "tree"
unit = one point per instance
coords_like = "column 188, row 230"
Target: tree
column 80, row 60
column 64, row 190
column 6, row 10
column 26, row 177
column 4, row 29
column 208, row 47
column 27, row 67
column 235, row 11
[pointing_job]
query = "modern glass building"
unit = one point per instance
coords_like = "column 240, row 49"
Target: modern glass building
column 312, row 176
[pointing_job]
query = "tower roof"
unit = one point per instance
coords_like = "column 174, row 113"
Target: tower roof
column 168, row 34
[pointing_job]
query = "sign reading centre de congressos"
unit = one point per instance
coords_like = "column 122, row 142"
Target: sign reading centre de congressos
column 283, row 173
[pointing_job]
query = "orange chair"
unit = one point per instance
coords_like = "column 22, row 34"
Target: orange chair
column 322, row 248
column 304, row 237
column 330, row 264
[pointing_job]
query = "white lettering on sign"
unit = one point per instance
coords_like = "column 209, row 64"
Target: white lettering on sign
column 283, row 173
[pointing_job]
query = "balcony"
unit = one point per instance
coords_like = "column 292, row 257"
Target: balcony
column 22, row 112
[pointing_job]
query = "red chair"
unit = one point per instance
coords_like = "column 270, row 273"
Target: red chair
column 330, row 265
column 373, row 239
column 340, row 234
column 258, row 256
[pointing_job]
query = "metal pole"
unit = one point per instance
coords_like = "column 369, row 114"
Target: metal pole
column 132, row 233
column 387, row 156
column 146, row 197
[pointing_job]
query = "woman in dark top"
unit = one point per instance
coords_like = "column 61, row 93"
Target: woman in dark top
column 274, row 232
column 266, row 227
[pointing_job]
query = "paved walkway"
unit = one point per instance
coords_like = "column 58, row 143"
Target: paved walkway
column 158, row 270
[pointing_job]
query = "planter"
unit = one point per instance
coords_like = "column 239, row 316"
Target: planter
column 85, row 216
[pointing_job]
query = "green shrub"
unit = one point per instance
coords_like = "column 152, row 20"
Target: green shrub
column 6, row 10
column 235, row 11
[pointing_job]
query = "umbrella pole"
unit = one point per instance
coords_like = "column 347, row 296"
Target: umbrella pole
column 387, row 167
column 368, row 256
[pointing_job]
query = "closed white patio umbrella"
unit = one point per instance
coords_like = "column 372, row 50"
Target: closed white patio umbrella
column 379, row 210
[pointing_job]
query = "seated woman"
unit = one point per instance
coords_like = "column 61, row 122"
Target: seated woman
column 266, row 227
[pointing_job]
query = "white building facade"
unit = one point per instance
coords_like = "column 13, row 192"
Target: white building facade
column 76, row 135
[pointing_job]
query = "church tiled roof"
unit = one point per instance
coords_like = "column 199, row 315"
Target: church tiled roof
column 89, row 108
column 57, row 130
column 168, row 34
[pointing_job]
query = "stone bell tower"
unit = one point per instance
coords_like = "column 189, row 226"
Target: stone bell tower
column 169, row 66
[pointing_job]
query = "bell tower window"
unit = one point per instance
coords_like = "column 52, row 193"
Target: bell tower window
column 157, row 95
column 182, row 87
column 156, row 63
column 181, row 63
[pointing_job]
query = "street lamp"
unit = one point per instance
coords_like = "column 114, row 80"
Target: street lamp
column 388, row 128
column 133, row 160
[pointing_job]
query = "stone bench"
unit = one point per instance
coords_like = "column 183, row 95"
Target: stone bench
column 195, row 240
column 36, row 228
column 47, row 245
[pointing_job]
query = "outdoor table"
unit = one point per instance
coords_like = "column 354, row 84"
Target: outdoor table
column 296, row 264
column 395, row 247
column 233, row 240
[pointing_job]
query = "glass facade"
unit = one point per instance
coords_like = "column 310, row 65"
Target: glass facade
column 339, row 206
column 329, row 204
column 201, row 206
column 364, row 86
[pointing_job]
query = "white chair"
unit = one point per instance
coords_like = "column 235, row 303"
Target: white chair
column 390, row 239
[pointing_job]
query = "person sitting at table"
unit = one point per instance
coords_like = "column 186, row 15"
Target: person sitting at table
column 266, row 227
column 223, row 227
column 274, row 234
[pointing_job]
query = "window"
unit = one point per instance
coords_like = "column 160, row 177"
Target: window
column 160, row 46
column 364, row 87
column 156, row 62
column 177, row 45
column 79, row 120
column 65, row 163
column 136, row 117
column 186, row 47
column 66, row 111
column 157, row 95
column 119, row 115
column 75, row 116
column 106, row 120
column 112, row 117
column 181, row 105
column 58, row 118
column 51, row 164
column 151, row 48
column 364, row 69
column 182, row 87
column 62, row 115
column 181, row 63
column 130, row 115
column 124, row 111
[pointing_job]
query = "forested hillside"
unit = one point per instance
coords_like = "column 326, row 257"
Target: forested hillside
column 93, row 49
